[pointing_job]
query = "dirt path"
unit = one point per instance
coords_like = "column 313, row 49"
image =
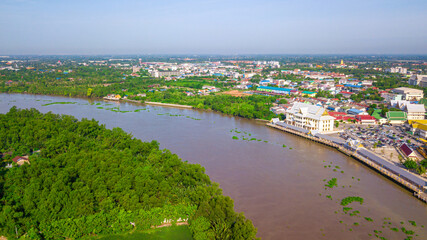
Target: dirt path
column 167, row 225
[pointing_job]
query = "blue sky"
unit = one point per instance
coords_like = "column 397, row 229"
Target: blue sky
column 213, row 27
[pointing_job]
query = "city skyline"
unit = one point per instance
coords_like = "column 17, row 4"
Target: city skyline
column 213, row 27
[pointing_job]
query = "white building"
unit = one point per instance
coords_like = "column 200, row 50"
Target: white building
column 310, row 117
column 415, row 111
column 418, row 80
column 398, row 70
column 409, row 94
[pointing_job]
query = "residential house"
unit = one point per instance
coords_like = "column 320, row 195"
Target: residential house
column 21, row 160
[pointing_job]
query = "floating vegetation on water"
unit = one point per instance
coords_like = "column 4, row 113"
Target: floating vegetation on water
column 348, row 200
column 332, row 183
column 138, row 110
column 100, row 107
column 354, row 213
column 346, row 209
column 356, row 224
column 407, row 232
column 369, row 219
column 413, row 223
column 98, row 104
column 338, row 167
column 52, row 103
column 290, row 148
column 329, row 196
column 235, row 137
column 284, row 145
column 265, row 141
column 334, row 170
column 394, row 229
column 342, row 171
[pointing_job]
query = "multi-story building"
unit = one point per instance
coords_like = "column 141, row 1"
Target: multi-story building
column 398, row 70
column 409, row 94
column 415, row 111
column 418, row 80
column 310, row 117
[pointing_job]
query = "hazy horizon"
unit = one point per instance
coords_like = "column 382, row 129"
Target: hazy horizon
column 213, row 27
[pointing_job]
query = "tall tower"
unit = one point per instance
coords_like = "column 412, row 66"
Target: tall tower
column 342, row 62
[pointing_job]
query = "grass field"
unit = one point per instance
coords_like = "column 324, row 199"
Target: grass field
column 165, row 233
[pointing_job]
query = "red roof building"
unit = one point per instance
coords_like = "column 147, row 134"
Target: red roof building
column 366, row 119
column 408, row 152
column 20, row 160
column 340, row 116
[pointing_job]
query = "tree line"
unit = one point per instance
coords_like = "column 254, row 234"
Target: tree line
column 84, row 179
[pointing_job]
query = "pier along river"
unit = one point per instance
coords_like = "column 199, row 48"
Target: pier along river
column 277, row 179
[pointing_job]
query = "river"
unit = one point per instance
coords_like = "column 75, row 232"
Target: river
column 280, row 188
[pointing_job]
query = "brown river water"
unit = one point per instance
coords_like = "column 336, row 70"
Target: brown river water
column 281, row 189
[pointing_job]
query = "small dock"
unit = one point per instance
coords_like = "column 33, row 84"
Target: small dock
column 387, row 171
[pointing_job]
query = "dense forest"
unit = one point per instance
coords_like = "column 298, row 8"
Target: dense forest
column 97, row 82
column 254, row 106
column 85, row 180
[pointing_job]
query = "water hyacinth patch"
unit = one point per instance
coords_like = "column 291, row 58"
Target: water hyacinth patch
column 53, row 103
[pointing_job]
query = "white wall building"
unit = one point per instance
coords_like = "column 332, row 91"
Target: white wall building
column 310, row 117
column 398, row 70
column 415, row 111
column 418, row 80
column 409, row 94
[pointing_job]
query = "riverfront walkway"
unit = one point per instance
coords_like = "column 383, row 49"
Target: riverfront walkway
column 384, row 163
column 416, row 184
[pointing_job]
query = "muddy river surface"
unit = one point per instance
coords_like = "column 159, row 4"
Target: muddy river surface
column 277, row 179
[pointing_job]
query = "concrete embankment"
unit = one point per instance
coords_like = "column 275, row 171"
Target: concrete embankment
column 392, row 174
column 168, row 105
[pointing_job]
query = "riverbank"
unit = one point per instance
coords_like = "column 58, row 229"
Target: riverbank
column 169, row 105
column 277, row 187
column 415, row 187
